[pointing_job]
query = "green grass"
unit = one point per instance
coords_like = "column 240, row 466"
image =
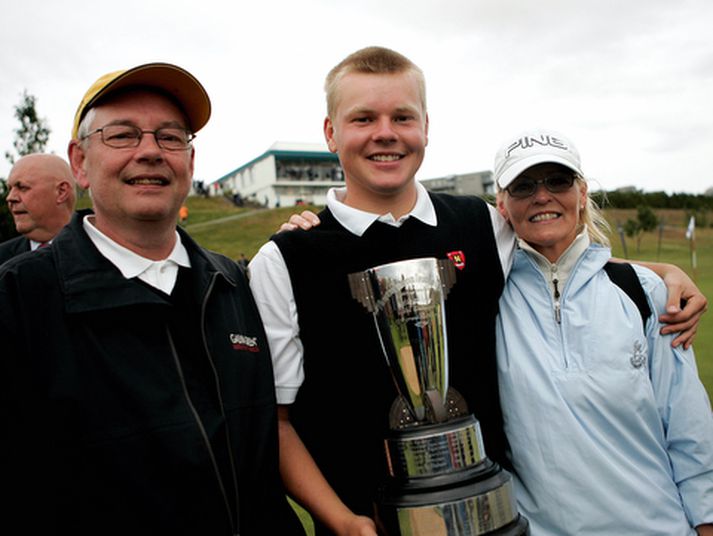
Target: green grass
column 245, row 232
column 304, row 516
column 201, row 209
column 674, row 249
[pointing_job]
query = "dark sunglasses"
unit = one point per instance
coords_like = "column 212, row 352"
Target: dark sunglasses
column 525, row 186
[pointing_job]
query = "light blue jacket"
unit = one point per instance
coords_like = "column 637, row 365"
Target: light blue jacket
column 610, row 428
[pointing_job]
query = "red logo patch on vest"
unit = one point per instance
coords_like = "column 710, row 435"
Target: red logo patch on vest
column 457, row 258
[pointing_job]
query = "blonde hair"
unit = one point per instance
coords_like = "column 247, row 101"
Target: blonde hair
column 591, row 215
column 371, row 60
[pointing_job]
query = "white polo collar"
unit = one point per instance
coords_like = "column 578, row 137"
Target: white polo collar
column 159, row 274
column 358, row 221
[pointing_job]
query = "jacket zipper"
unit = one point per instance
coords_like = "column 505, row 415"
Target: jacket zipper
column 204, row 306
column 556, row 293
column 201, row 428
column 558, row 312
column 556, row 296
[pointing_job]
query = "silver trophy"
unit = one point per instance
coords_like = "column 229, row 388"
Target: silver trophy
column 440, row 481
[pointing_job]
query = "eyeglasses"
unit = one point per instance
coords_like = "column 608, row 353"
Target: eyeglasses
column 125, row 136
column 525, row 186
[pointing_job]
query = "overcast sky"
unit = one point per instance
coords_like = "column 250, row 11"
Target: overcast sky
column 630, row 81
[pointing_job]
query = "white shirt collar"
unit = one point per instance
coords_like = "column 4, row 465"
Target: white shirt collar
column 34, row 244
column 159, row 274
column 358, row 221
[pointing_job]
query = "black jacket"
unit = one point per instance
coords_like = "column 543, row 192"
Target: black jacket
column 110, row 425
column 13, row 247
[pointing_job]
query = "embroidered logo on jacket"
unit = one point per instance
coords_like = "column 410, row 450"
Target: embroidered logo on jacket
column 638, row 356
column 243, row 342
column 458, row 259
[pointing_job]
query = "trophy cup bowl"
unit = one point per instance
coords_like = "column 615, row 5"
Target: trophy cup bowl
column 440, row 481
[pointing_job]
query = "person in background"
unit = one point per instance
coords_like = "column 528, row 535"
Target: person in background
column 41, row 198
column 243, row 261
column 183, row 215
column 610, row 428
column 334, row 389
column 137, row 392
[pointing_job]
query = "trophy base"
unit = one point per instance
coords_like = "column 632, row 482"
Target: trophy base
column 483, row 505
column 451, row 450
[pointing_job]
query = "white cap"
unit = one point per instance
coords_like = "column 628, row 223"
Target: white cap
column 530, row 148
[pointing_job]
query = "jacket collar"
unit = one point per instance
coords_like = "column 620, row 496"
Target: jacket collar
column 564, row 264
column 91, row 282
column 573, row 269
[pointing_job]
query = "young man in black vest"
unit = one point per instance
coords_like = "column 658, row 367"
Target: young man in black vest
column 333, row 387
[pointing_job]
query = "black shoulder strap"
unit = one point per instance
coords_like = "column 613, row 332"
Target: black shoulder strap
column 624, row 276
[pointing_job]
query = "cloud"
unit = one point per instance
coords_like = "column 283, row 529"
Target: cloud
column 628, row 81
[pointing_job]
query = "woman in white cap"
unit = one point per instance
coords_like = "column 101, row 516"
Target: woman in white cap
column 610, row 427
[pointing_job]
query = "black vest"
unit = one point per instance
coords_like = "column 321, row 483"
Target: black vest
column 341, row 410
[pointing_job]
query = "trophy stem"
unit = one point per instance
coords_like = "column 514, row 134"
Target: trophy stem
column 438, row 405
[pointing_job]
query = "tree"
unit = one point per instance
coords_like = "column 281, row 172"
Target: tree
column 7, row 226
column 632, row 229
column 647, row 218
column 645, row 221
column 30, row 137
column 33, row 133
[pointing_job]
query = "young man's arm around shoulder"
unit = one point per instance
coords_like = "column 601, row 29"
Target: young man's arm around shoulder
column 681, row 288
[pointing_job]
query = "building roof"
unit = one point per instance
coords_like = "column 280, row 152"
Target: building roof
column 287, row 150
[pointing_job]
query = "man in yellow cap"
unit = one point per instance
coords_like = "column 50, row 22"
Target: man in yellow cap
column 41, row 200
column 137, row 391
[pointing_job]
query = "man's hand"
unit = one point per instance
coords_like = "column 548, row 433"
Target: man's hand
column 306, row 220
column 682, row 289
column 359, row 526
column 705, row 530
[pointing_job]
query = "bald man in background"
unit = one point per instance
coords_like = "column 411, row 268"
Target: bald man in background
column 41, row 199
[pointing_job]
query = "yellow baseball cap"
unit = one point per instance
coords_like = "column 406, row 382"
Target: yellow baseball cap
column 175, row 81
